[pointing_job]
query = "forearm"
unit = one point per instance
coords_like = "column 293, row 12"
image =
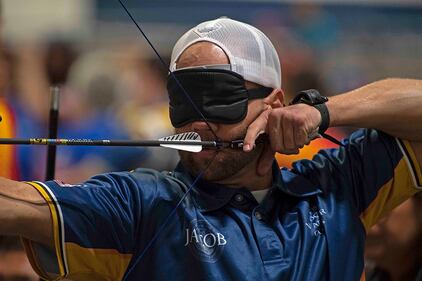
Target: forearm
column 392, row 105
column 23, row 212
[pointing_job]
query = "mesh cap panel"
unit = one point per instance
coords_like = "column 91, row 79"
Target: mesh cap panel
column 250, row 52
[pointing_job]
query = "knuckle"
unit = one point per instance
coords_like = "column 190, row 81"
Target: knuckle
column 299, row 120
column 289, row 117
column 274, row 114
column 273, row 122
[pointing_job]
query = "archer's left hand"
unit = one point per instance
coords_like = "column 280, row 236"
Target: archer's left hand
column 288, row 128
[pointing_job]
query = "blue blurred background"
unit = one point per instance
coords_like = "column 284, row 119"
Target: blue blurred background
column 113, row 86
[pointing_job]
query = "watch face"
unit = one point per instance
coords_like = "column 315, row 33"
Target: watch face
column 310, row 97
column 305, row 99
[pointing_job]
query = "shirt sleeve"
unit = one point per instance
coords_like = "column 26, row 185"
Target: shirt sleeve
column 95, row 225
column 373, row 170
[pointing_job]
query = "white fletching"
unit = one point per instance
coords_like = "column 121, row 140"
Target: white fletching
column 184, row 137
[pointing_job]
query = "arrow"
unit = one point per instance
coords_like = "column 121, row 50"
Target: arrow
column 189, row 141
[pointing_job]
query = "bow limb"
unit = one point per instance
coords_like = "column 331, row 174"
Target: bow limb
column 52, row 132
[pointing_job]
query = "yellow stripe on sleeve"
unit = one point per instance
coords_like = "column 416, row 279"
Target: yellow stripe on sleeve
column 74, row 261
column 86, row 263
column 412, row 162
column 399, row 188
column 55, row 216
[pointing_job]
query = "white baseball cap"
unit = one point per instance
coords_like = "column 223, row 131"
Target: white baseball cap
column 250, row 52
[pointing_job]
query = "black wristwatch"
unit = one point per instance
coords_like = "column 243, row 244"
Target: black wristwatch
column 313, row 98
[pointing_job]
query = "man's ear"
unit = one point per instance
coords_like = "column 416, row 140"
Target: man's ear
column 275, row 99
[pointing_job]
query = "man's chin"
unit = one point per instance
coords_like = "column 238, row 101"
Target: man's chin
column 205, row 155
column 217, row 165
column 198, row 163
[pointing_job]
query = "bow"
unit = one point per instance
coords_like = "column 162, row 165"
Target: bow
column 53, row 125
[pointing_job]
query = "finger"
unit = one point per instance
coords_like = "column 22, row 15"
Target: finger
column 256, row 128
column 275, row 132
column 301, row 137
column 265, row 161
column 288, row 134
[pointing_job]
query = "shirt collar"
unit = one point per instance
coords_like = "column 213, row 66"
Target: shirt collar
column 207, row 195
column 211, row 196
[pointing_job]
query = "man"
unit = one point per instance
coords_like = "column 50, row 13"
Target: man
column 201, row 221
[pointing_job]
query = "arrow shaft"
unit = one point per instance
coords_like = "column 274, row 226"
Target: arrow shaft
column 92, row 142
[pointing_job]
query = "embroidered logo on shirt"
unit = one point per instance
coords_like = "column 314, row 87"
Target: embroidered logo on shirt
column 316, row 221
column 205, row 243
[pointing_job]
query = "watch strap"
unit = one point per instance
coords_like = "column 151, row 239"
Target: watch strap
column 325, row 117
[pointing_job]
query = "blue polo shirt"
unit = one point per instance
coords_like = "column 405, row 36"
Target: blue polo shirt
column 310, row 226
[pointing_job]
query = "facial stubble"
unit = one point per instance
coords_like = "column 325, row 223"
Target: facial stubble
column 225, row 164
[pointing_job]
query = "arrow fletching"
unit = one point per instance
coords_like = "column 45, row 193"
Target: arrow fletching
column 184, row 137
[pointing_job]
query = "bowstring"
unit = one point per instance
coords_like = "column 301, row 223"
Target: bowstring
column 173, row 212
column 166, row 221
column 170, row 72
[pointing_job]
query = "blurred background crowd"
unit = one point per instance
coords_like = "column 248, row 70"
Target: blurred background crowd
column 113, row 86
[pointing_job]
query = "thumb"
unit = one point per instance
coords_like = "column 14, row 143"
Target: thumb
column 265, row 161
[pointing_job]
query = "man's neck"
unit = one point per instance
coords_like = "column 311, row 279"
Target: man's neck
column 248, row 178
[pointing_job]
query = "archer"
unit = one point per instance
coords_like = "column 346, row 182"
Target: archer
column 226, row 214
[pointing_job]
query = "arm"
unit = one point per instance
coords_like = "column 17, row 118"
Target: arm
column 93, row 223
column 391, row 105
column 24, row 212
column 374, row 170
column 91, row 229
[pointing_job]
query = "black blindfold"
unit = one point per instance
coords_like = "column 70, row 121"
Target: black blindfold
column 220, row 95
